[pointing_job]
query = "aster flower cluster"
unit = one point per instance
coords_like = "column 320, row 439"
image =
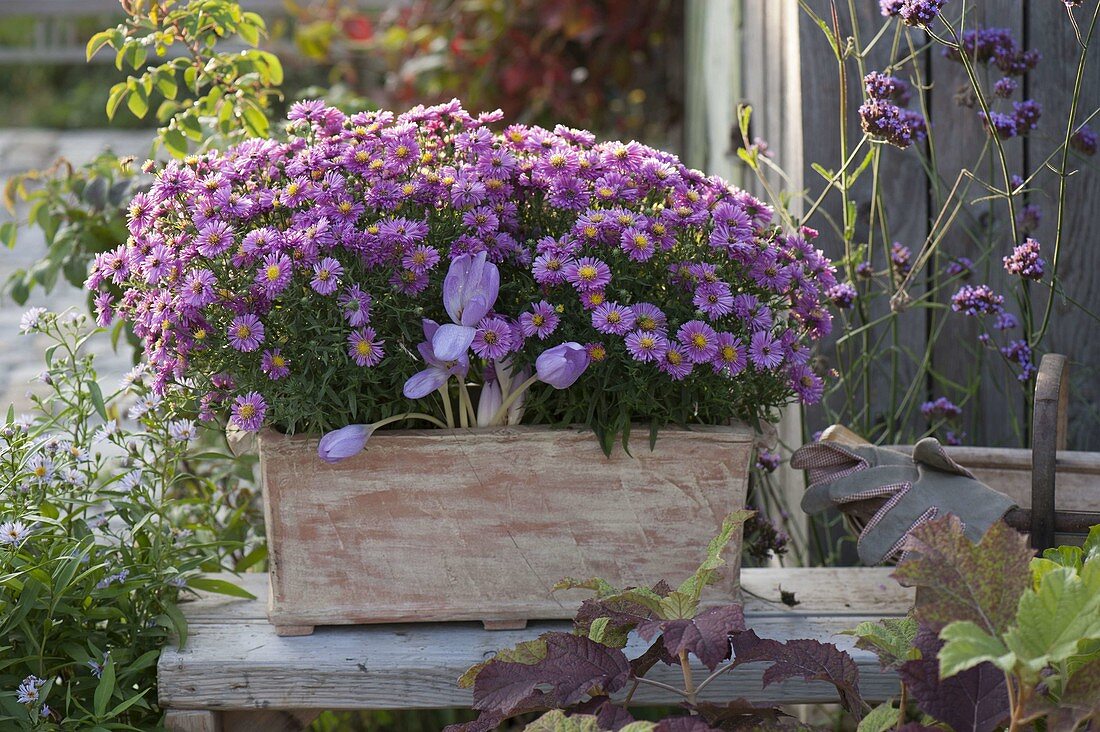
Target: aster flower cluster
column 301, row 282
column 882, row 117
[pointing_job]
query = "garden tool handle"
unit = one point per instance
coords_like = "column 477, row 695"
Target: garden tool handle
column 1048, row 436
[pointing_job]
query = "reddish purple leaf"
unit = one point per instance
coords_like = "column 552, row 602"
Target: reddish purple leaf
column 683, row 724
column 707, row 635
column 740, row 714
column 917, row 727
column 609, row 715
column 975, row 699
column 960, row 580
column 807, row 659
column 575, row 665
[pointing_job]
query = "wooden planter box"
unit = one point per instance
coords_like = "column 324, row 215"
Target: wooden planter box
column 440, row 525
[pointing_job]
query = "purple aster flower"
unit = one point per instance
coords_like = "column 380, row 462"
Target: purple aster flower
column 648, row 316
column 729, row 358
column 1025, row 261
column 364, row 346
column 613, row 318
column 421, row 259
column 561, row 366
column 198, row 288
column 482, row 220
column 597, row 352
column 423, row 383
column 977, row 300
column 246, row 332
column 104, row 309
column 355, row 303
column 214, row 238
column 699, row 339
column 806, row 384
column 593, row 299
column 275, row 274
column 274, row 364
column 249, row 411
column 646, row 345
column 714, row 298
column 326, row 276
column 637, row 244
column 842, row 295
column 493, row 338
column 588, row 274
column 675, row 362
column 549, row 268
column 541, row 321
column 765, row 351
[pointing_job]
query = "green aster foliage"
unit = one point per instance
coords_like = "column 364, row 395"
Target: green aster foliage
column 107, row 517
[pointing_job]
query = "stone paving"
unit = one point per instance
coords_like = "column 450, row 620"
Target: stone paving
column 21, row 355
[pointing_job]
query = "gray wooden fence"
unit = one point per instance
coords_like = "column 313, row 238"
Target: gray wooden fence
column 789, row 75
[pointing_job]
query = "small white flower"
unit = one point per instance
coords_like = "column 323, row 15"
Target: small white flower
column 75, row 478
column 131, row 480
column 31, row 320
column 13, row 532
column 27, row 693
column 41, row 468
column 132, row 376
column 106, row 431
column 183, row 430
column 139, row 409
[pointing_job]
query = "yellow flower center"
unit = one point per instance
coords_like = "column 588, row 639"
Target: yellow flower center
column 537, row 320
column 363, row 348
column 344, row 207
column 557, row 160
column 247, row 411
column 647, row 323
column 647, row 342
column 596, row 298
column 699, row 340
column 323, row 275
column 243, row 331
column 362, row 156
column 408, row 189
column 729, row 353
column 40, row 471
column 590, row 232
column 614, row 317
column 674, row 358
column 402, row 151
column 604, row 192
column 587, row 272
column 199, row 334
column 597, row 353
column 292, row 189
column 273, row 272
column 490, row 337
column 278, row 361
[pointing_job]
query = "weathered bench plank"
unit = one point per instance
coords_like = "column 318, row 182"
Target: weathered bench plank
column 234, row 661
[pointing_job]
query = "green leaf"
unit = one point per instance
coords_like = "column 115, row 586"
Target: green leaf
column 1053, row 620
column 707, row 572
column 961, row 580
column 966, row 645
column 881, row 718
column 175, row 143
column 209, row 584
column 138, row 101
column 602, row 588
column 598, row 629
column 96, row 395
column 176, row 621
column 891, row 639
column 166, row 84
column 118, row 93
column 249, row 33
column 274, row 67
column 96, row 42
column 1091, row 546
column 556, row 721
column 8, row 230
column 127, row 704
column 105, row 688
column 255, row 121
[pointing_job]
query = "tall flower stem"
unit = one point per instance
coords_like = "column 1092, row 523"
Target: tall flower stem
column 447, row 412
column 466, row 406
column 1063, row 179
column 512, row 397
column 408, row 415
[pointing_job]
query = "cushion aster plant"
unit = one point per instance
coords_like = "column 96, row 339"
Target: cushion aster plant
column 378, row 268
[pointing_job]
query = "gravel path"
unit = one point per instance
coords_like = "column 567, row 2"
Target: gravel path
column 21, row 355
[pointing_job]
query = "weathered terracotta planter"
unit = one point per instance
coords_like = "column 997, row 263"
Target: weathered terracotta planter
column 439, row 525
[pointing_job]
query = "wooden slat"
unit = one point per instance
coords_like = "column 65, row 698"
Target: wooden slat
column 234, row 661
column 1071, row 332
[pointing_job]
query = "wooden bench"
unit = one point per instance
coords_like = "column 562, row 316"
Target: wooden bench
column 234, row 673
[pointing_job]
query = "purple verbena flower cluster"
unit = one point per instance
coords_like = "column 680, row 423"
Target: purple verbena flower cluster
column 913, row 12
column 977, row 300
column 1085, row 141
column 1023, row 119
column 1020, row 353
column 1025, row 261
column 882, row 118
column 995, row 46
column 940, row 408
column 274, row 267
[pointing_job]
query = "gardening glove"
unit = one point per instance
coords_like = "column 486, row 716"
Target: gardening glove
column 912, row 491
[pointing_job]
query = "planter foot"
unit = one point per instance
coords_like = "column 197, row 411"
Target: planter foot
column 284, row 631
column 504, row 624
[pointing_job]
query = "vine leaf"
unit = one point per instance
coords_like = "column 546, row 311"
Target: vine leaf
column 891, row 639
column 573, row 667
column 707, row 573
column 707, row 635
column 556, row 721
column 960, row 580
column 1053, row 620
column 810, row 660
column 974, row 700
column 1080, row 699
